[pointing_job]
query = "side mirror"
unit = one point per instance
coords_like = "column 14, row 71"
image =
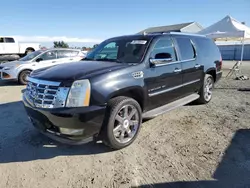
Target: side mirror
column 39, row 59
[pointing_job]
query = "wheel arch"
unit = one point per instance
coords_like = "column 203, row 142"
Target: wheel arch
column 212, row 72
column 29, row 48
column 22, row 71
column 134, row 92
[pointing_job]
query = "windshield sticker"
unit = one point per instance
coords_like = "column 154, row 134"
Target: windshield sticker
column 138, row 42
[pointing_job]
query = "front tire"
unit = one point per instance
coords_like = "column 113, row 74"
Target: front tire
column 122, row 123
column 206, row 89
column 22, row 78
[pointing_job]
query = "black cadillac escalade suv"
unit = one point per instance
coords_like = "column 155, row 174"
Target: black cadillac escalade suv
column 123, row 81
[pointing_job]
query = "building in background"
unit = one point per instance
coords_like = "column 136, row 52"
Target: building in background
column 191, row 27
column 228, row 26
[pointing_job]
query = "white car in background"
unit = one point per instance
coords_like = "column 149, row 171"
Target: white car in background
column 19, row 70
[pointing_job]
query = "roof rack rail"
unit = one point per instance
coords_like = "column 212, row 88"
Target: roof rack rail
column 173, row 32
column 153, row 33
column 160, row 32
column 190, row 34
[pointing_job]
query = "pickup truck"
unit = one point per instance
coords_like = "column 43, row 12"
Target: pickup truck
column 10, row 46
column 123, row 81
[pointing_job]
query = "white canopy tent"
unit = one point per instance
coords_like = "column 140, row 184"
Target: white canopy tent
column 228, row 29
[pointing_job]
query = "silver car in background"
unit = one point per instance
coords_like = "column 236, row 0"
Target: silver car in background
column 20, row 69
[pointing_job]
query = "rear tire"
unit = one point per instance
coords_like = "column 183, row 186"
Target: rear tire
column 29, row 51
column 206, row 89
column 122, row 122
column 22, row 78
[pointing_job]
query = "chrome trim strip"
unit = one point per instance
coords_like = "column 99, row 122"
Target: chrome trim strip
column 172, row 88
column 175, row 62
column 163, row 64
column 43, row 82
column 187, row 60
column 191, row 82
column 164, row 91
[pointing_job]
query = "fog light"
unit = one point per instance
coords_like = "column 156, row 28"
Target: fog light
column 71, row 131
column 5, row 75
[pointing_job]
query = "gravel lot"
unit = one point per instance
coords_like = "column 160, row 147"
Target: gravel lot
column 193, row 146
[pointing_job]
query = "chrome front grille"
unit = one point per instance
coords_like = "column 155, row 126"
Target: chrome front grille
column 46, row 94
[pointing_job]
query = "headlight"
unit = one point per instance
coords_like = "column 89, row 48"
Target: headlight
column 79, row 94
column 10, row 67
column 7, row 68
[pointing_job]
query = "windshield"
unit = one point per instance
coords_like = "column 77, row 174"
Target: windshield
column 30, row 56
column 125, row 50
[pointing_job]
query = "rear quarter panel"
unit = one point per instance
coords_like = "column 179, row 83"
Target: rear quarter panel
column 208, row 53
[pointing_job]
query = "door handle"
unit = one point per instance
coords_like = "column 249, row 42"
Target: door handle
column 177, row 70
column 197, row 66
column 53, row 61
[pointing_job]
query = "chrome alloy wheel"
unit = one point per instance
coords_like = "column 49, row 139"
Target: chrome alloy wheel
column 126, row 124
column 208, row 89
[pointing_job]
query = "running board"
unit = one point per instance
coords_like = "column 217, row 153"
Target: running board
column 171, row 106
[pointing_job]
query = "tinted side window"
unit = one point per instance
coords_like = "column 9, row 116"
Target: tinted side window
column 1, row 40
column 186, row 48
column 164, row 48
column 66, row 53
column 9, row 40
column 207, row 47
column 48, row 55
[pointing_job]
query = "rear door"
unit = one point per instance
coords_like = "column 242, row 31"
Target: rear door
column 192, row 69
column 164, row 81
column 10, row 46
column 67, row 56
column 47, row 59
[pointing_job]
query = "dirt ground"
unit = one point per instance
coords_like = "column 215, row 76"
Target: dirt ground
column 193, row 146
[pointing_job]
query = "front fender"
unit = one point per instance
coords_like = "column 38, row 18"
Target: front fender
column 104, row 88
column 22, row 68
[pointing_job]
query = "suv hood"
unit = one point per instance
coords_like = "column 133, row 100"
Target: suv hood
column 74, row 71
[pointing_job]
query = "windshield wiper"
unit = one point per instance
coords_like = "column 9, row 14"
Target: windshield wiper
column 112, row 60
column 105, row 59
column 87, row 59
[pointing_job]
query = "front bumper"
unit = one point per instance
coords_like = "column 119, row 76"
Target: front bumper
column 7, row 75
column 49, row 121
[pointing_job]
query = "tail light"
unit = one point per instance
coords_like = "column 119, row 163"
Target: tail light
column 219, row 64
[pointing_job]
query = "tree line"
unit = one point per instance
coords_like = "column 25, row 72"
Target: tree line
column 62, row 44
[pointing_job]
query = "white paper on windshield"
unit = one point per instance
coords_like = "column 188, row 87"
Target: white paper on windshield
column 138, row 42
